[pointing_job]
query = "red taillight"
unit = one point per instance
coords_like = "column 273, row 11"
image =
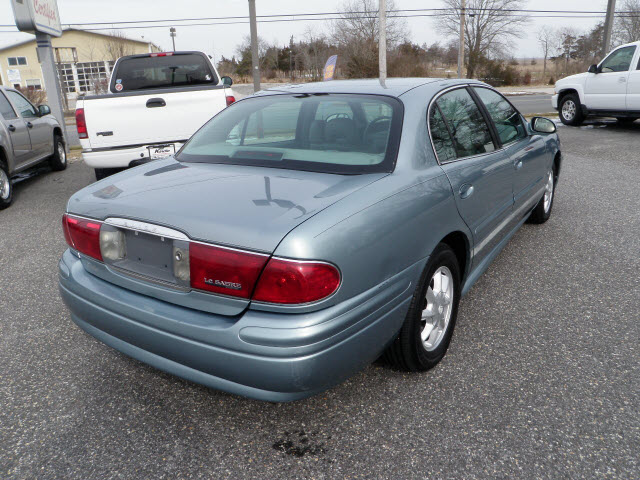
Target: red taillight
column 287, row 281
column 225, row 271
column 230, row 99
column 81, row 123
column 82, row 235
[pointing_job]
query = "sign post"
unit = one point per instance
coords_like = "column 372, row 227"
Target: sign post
column 42, row 18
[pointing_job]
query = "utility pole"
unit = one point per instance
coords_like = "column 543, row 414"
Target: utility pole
column 463, row 7
column 172, row 33
column 608, row 26
column 382, row 40
column 255, row 60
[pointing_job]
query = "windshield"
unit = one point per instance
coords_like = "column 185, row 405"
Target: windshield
column 141, row 73
column 321, row 133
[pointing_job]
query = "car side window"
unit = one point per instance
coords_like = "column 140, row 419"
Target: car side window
column 506, row 118
column 6, row 110
column 22, row 104
column 619, row 60
column 440, row 136
column 471, row 135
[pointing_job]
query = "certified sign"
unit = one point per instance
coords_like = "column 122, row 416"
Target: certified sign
column 37, row 16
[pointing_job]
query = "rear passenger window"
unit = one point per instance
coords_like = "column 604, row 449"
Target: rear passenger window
column 440, row 135
column 506, row 118
column 6, row 110
column 470, row 132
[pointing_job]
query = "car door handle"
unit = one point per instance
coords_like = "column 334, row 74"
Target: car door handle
column 156, row 102
column 29, row 124
column 621, row 80
column 466, row 191
column 12, row 128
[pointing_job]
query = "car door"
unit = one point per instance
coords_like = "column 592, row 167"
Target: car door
column 481, row 176
column 526, row 151
column 607, row 89
column 633, row 87
column 39, row 129
column 18, row 132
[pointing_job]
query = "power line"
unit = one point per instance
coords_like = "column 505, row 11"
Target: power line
column 244, row 17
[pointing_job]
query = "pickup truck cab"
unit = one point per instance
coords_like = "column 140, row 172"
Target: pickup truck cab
column 608, row 89
column 156, row 101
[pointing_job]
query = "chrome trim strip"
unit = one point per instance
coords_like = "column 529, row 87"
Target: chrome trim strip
column 145, row 227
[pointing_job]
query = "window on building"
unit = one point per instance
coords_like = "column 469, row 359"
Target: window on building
column 34, row 84
column 89, row 74
column 15, row 61
column 65, row 72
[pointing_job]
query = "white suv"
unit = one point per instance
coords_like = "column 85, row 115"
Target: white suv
column 609, row 89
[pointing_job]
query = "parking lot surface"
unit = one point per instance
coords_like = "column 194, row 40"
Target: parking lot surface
column 542, row 379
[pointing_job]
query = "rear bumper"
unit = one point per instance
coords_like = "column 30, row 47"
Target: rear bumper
column 119, row 157
column 262, row 355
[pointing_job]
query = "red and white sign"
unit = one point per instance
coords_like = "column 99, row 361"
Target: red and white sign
column 37, row 15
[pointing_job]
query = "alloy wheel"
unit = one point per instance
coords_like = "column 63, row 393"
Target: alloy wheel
column 62, row 154
column 569, row 110
column 438, row 308
column 5, row 185
column 548, row 193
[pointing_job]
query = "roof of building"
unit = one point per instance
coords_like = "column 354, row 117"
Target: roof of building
column 33, row 38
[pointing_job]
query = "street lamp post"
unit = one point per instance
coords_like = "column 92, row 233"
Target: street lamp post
column 172, row 33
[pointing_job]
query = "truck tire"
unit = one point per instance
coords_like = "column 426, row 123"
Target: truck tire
column 58, row 160
column 570, row 110
column 6, row 188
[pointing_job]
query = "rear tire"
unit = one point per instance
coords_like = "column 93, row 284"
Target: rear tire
column 6, row 188
column 426, row 333
column 105, row 172
column 58, row 160
column 570, row 110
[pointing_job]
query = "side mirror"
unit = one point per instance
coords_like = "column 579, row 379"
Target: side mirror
column 593, row 69
column 226, row 81
column 44, row 110
column 543, row 125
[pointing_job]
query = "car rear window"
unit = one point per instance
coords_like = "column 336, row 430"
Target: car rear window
column 174, row 70
column 346, row 134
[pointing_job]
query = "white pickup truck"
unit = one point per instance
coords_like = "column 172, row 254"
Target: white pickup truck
column 608, row 89
column 156, row 101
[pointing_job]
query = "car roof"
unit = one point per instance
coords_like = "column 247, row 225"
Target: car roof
column 393, row 87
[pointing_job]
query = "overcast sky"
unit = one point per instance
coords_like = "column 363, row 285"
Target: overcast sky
column 220, row 40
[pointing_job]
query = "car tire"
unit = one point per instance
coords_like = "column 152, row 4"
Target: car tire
column 426, row 333
column 542, row 212
column 58, row 160
column 105, row 172
column 6, row 188
column 570, row 110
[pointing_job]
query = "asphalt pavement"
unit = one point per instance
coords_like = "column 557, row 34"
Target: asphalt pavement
column 529, row 104
column 541, row 380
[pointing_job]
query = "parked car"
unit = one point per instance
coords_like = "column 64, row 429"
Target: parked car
column 306, row 230
column 608, row 89
column 28, row 135
column 156, row 101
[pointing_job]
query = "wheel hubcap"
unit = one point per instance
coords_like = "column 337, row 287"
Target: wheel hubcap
column 548, row 193
column 437, row 311
column 5, row 185
column 61, row 153
column 569, row 110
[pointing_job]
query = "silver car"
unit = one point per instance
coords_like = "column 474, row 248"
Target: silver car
column 304, row 231
column 28, row 135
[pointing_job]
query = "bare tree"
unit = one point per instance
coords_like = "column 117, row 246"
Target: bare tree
column 357, row 35
column 118, row 46
column 489, row 27
column 627, row 25
column 547, row 40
